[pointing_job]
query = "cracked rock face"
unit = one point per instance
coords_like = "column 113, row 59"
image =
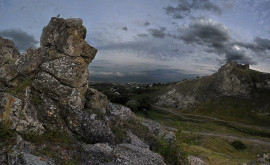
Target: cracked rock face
column 8, row 56
column 67, row 36
column 63, row 74
column 19, row 114
column 56, row 73
column 62, row 77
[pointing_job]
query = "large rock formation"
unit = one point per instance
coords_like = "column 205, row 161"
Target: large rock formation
column 47, row 89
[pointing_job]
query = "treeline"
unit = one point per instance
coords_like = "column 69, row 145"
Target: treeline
column 134, row 97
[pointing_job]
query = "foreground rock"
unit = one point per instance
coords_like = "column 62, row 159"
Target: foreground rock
column 132, row 154
column 46, row 103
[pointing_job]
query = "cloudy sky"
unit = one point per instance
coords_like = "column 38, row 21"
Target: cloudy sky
column 152, row 40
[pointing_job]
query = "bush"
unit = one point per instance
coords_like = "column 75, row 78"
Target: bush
column 134, row 105
column 238, row 145
column 5, row 134
column 120, row 134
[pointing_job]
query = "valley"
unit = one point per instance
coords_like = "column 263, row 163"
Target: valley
column 211, row 126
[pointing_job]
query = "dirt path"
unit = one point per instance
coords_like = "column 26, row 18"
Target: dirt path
column 226, row 136
column 200, row 118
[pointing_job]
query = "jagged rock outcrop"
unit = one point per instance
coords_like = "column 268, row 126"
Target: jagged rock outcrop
column 46, row 89
column 231, row 80
column 63, row 74
column 8, row 56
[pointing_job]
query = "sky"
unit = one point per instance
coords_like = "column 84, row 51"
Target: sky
column 151, row 41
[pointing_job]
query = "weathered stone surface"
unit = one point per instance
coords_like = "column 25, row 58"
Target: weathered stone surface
column 63, row 75
column 131, row 154
column 119, row 114
column 67, row 69
column 67, row 36
column 31, row 159
column 67, row 97
column 29, row 62
column 134, row 155
column 49, row 113
column 91, row 129
column 96, row 100
column 21, row 155
column 176, row 99
column 136, row 141
column 20, row 115
column 158, row 130
column 195, row 161
column 8, row 56
column 100, row 153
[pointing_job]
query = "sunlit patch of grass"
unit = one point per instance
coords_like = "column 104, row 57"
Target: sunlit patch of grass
column 218, row 151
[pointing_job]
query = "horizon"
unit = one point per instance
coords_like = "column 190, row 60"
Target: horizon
column 153, row 42
column 183, row 79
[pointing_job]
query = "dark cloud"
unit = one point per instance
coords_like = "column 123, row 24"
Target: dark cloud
column 236, row 55
column 258, row 45
column 184, row 8
column 178, row 16
column 206, row 32
column 216, row 38
column 21, row 39
column 142, row 35
column 125, row 28
column 263, row 44
column 147, row 23
column 158, row 33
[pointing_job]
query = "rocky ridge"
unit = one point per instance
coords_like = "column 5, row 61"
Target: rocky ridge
column 231, row 80
column 46, row 89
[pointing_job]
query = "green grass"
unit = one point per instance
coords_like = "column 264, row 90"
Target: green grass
column 232, row 109
column 213, row 150
column 18, row 90
column 59, row 146
column 170, row 119
column 120, row 134
column 219, row 151
column 6, row 134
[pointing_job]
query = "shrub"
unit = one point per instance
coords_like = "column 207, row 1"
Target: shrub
column 5, row 134
column 120, row 134
column 238, row 145
column 134, row 105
